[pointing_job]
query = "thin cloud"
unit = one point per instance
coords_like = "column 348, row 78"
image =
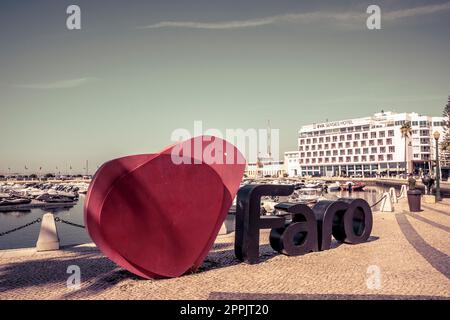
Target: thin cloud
column 61, row 84
column 351, row 17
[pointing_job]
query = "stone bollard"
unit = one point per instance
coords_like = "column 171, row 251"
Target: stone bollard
column 227, row 225
column 386, row 203
column 393, row 195
column 48, row 234
column 403, row 191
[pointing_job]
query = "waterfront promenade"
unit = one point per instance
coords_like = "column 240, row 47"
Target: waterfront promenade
column 411, row 251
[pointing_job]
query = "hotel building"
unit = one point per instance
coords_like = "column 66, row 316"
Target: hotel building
column 366, row 146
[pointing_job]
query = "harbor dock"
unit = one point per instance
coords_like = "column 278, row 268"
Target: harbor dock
column 408, row 253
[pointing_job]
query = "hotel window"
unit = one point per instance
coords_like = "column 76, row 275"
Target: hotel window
column 363, row 143
column 415, row 123
column 365, row 127
column 357, row 151
column 321, row 154
column 341, row 159
column 373, row 135
column 313, row 160
column 333, row 145
column 306, row 148
column 423, row 123
column 348, row 159
column 341, row 138
column 308, row 154
column 319, row 147
column 307, row 161
column 349, row 137
column 333, row 159
column 315, row 154
column 388, row 141
column 372, row 158
column 340, row 145
column 355, row 158
column 349, row 151
column 355, row 144
column 365, row 135
column 390, row 133
column 392, row 149
column 327, row 139
column 389, row 157
column 321, row 140
column 380, row 157
column 382, row 134
column 328, row 153
column 342, row 152
column 326, row 159
column 416, row 155
column 308, row 141
column 363, row 158
column 366, row 150
column 371, row 142
column 320, row 160
column 347, row 144
column 383, row 150
column 313, row 147
column 373, row 150
column 357, row 136
column 380, row 142
column 335, row 152
column 302, row 155
column 350, row 129
column 335, row 138
column 314, row 140
column 302, row 141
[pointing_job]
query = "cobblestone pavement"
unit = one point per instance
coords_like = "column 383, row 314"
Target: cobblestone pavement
column 411, row 251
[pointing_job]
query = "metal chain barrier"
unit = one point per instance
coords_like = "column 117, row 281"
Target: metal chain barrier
column 69, row 223
column 21, row 227
column 382, row 198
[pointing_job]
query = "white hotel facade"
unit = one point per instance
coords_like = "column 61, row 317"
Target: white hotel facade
column 366, row 146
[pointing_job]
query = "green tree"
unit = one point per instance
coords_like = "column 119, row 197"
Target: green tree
column 406, row 131
column 445, row 144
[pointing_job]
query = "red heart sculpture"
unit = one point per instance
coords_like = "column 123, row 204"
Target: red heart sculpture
column 157, row 217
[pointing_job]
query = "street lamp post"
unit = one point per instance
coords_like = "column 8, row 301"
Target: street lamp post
column 436, row 136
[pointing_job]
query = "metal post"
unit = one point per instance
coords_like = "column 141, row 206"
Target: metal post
column 438, row 173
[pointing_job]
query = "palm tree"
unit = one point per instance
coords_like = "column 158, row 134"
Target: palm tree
column 406, row 131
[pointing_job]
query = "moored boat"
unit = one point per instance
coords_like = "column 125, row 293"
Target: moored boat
column 355, row 186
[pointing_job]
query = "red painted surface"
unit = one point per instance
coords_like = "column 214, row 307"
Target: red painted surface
column 160, row 219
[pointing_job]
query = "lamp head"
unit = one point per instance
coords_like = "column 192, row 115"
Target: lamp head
column 436, row 135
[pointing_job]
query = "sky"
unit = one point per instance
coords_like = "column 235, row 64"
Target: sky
column 138, row 70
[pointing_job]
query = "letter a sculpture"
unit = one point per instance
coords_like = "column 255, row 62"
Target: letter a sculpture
column 157, row 215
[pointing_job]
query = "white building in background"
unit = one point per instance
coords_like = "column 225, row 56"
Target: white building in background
column 292, row 163
column 365, row 146
column 265, row 169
